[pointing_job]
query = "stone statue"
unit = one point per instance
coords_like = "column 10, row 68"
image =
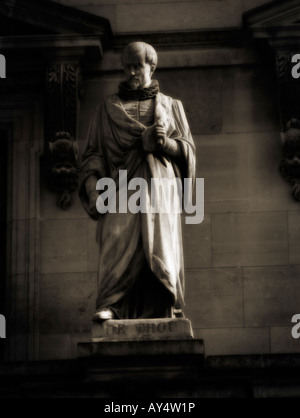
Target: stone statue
column 144, row 134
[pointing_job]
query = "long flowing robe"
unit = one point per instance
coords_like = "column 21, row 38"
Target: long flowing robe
column 128, row 241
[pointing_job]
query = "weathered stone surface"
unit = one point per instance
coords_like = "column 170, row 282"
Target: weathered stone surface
column 249, row 239
column 214, row 297
column 230, row 341
column 203, row 111
column 67, row 302
column 282, row 340
column 142, row 329
column 128, row 17
column 222, row 160
column 55, row 346
column 271, row 295
column 93, row 246
column 249, row 100
column 64, row 245
column 241, row 173
column 197, row 244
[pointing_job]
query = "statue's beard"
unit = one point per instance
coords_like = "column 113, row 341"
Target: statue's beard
column 139, row 82
column 134, row 83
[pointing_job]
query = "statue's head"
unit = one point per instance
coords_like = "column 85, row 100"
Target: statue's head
column 139, row 61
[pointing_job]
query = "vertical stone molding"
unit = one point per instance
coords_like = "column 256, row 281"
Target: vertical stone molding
column 288, row 86
column 64, row 90
column 290, row 164
column 24, row 121
column 289, row 107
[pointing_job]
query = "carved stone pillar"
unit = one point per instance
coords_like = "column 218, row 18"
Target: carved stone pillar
column 289, row 105
column 289, row 101
column 288, row 86
column 64, row 90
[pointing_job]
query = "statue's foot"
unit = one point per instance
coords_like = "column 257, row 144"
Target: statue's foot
column 103, row 315
column 178, row 313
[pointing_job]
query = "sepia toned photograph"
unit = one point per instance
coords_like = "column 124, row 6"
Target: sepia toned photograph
column 150, row 201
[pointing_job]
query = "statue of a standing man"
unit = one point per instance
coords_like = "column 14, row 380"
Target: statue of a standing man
column 142, row 131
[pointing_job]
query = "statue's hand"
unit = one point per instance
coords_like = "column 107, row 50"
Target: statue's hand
column 149, row 139
column 93, row 196
column 161, row 135
column 154, row 138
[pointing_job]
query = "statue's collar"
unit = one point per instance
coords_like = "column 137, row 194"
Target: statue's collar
column 126, row 93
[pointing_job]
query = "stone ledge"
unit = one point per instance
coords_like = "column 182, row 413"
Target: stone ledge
column 140, row 348
column 236, row 376
column 190, row 57
column 142, row 330
column 142, row 361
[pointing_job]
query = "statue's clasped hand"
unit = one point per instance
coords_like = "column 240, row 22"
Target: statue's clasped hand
column 154, row 138
column 93, row 196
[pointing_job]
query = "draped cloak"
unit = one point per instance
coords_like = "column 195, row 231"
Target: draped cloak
column 126, row 240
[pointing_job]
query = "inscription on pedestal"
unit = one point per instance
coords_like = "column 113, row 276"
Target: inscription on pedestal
column 115, row 329
column 160, row 327
column 142, row 329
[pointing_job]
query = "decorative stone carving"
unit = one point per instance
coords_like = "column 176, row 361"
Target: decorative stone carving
column 64, row 91
column 289, row 88
column 290, row 165
column 277, row 24
column 289, row 99
column 62, row 168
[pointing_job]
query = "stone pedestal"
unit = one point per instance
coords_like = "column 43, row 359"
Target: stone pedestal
column 142, row 358
column 142, row 330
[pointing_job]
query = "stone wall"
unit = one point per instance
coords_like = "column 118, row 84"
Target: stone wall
column 134, row 16
column 243, row 261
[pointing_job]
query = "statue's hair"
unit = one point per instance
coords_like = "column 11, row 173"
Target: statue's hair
column 145, row 52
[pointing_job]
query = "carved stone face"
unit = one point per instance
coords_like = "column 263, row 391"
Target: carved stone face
column 139, row 61
column 62, row 171
column 138, row 72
